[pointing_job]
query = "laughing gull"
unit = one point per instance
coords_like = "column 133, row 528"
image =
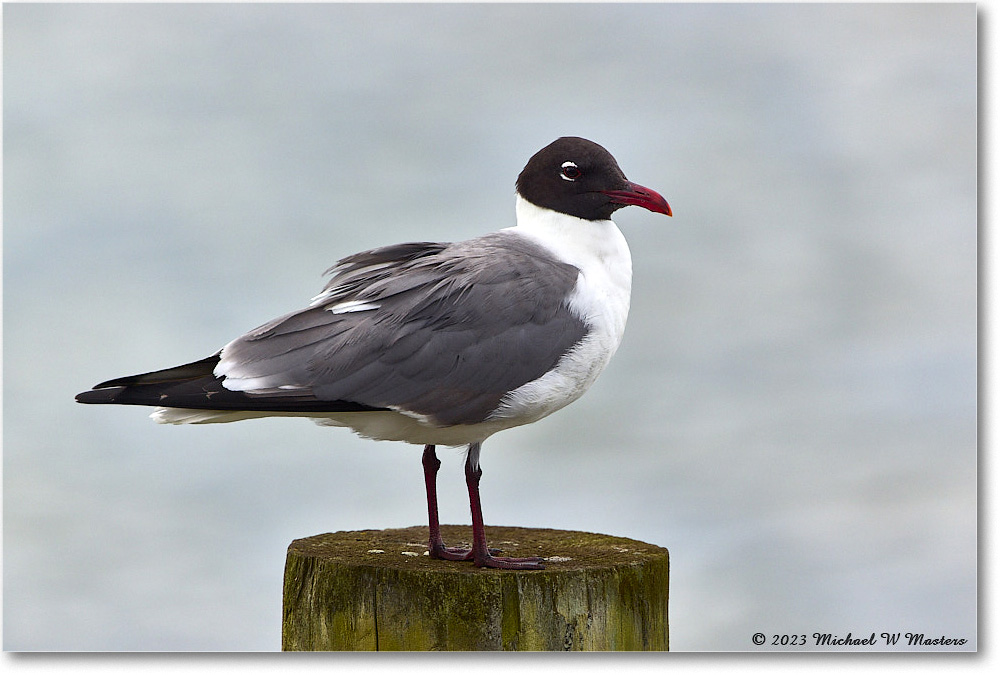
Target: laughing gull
column 438, row 343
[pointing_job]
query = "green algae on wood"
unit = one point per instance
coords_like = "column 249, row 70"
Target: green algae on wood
column 377, row 590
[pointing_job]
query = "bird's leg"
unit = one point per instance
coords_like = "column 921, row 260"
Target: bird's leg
column 435, row 546
column 481, row 554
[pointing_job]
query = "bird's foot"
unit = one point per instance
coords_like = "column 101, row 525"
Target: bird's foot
column 500, row 563
column 442, row 552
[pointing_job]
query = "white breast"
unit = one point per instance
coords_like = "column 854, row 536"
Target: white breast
column 601, row 298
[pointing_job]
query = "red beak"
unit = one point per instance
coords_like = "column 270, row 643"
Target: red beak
column 637, row 195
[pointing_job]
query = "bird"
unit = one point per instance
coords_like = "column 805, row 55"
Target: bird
column 434, row 343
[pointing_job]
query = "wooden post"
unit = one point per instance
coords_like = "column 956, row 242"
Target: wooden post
column 375, row 590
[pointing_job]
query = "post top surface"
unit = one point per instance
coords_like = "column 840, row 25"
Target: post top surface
column 406, row 548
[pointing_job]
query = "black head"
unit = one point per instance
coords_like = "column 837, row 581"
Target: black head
column 580, row 178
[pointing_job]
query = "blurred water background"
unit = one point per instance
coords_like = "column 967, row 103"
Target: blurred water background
column 793, row 412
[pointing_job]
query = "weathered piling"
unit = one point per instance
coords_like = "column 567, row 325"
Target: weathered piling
column 378, row 590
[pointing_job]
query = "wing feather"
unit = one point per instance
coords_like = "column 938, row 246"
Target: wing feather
column 452, row 328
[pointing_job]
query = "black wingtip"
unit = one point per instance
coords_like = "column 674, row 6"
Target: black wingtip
column 189, row 371
column 108, row 395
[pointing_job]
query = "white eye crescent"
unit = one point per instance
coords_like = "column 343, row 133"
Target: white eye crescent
column 570, row 171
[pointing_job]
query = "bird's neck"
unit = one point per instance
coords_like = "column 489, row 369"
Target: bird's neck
column 590, row 245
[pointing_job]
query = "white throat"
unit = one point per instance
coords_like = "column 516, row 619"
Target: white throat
column 587, row 244
column 596, row 247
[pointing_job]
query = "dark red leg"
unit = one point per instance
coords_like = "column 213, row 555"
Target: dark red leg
column 481, row 555
column 435, row 546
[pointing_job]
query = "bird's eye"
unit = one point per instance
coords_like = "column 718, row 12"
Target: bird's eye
column 570, row 171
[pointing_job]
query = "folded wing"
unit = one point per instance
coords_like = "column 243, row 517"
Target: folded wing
column 437, row 331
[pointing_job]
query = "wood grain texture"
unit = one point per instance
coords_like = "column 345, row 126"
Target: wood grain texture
column 377, row 590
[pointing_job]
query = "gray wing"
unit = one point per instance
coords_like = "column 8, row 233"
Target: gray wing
column 439, row 330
